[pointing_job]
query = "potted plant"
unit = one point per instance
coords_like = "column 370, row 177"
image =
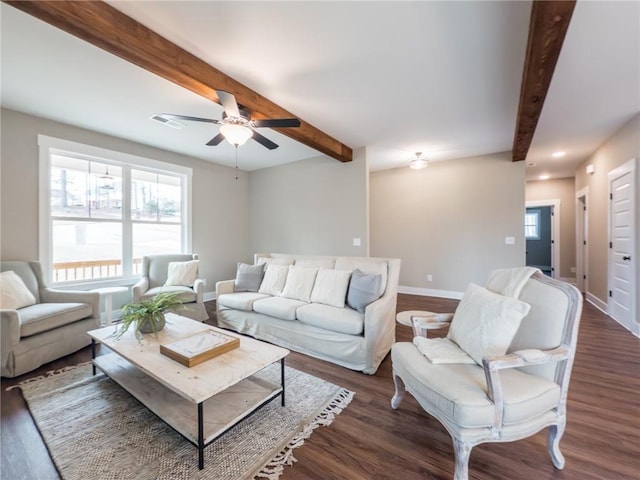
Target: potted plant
column 147, row 316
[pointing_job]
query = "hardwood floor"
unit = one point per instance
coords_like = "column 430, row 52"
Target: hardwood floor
column 369, row 440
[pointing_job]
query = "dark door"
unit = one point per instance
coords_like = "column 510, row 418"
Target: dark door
column 539, row 242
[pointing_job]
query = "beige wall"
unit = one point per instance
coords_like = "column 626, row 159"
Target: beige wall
column 562, row 189
column 316, row 206
column 620, row 148
column 449, row 220
column 220, row 203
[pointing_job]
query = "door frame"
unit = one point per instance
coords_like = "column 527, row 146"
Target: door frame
column 582, row 239
column 627, row 167
column 555, row 230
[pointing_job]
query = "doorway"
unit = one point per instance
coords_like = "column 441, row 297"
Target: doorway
column 582, row 244
column 622, row 242
column 542, row 229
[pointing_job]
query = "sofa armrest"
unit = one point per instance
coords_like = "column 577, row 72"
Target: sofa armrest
column 380, row 326
column 139, row 288
column 49, row 295
column 9, row 332
column 225, row 286
column 198, row 287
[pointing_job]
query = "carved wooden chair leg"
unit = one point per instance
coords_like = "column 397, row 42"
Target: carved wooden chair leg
column 553, row 445
column 462, row 452
column 400, row 389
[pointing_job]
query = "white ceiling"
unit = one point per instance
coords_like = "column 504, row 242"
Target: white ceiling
column 397, row 77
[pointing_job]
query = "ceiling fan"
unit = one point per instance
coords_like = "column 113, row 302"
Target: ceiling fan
column 236, row 125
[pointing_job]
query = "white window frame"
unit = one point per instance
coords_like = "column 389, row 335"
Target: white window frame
column 48, row 146
column 537, row 225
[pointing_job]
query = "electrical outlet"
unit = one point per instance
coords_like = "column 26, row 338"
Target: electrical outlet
column 573, row 269
column 204, row 282
column 429, row 278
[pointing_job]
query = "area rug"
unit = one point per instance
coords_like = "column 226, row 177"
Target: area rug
column 94, row 429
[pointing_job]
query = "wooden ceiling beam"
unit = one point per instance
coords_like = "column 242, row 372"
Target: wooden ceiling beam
column 547, row 29
column 109, row 29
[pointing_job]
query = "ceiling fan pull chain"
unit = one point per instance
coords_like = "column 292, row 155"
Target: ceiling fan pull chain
column 236, row 162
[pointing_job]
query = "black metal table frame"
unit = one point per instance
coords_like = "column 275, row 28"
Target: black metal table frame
column 201, row 444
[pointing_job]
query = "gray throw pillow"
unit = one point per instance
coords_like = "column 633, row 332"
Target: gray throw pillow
column 248, row 277
column 363, row 290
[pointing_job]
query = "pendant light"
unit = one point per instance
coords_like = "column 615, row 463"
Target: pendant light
column 419, row 162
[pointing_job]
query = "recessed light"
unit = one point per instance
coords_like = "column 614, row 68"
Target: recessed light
column 558, row 154
column 544, row 177
column 531, row 164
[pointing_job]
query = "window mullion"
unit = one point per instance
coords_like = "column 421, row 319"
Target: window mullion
column 127, row 227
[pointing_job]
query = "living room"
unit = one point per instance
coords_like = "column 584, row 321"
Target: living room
column 448, row 223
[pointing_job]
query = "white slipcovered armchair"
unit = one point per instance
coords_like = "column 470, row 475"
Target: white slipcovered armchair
column 154, row 277
column 508, row 397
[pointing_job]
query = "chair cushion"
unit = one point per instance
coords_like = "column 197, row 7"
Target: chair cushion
column 459, row 392
column 43, row 317
column 485, row 323
column 182, row 273
column 299, row 283
column 248, row 277
column 331, row 287
column 240, row 300
column 188, row 295
column 342, row 320
column 279, row 307
column 14, row 294
column 274, row 279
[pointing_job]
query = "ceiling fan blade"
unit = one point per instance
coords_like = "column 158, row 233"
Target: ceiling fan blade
column 216, row 140
column 264, row 141
column 185, row 117
column 276, row 122
column 229, row 103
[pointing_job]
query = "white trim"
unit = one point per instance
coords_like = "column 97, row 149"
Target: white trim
column 429, row 292
column 627, row 167
column 582, row 239
column 209, row 296
column 596, row 302
column 555, row 230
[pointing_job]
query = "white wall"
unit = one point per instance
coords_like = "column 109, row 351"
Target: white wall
column 449, row 220
column 316, row 206
column 220, row 203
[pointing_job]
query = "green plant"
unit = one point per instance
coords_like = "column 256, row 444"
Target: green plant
column 148, row 313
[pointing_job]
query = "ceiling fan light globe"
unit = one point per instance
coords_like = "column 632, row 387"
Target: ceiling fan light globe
column 236, row 134
column 418, row 163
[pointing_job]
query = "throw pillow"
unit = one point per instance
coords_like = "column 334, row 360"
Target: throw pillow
column 331, row 287
column 300, row 283
column 182, row 273
column 363, row 290
column 248, row 277
column 273, row 280
column 14, row 293
column 485, row 323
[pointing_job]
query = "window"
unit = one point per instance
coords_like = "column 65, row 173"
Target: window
column 101, row 211
column 532, row 225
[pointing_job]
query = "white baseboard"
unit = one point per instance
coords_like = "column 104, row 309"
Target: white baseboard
column 603, row 307
column 428, row 292
column 208, row 296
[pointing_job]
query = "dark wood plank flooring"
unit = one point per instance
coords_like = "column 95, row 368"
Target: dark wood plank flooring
column 369, row 440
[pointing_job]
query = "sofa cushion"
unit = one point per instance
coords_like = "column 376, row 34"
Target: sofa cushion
column 42, row 317
column 485, row 323
column 300, row 283
column 279, row 307
column 14, row 294
column 240, row 300
column 342, row 320
column 187, row 293
column 331, row 287
column 274, row 279
column 368, row 266
column 182, row 273
column 460, row 391
column 363, row 290
column 248, row 277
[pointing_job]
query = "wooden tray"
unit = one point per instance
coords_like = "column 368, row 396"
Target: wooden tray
column 200, row 347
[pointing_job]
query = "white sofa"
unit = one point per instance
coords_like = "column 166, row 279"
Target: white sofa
column 354, row 340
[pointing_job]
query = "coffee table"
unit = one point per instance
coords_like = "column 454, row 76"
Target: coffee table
column 202, row 402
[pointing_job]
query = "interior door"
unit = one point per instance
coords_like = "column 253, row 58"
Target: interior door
column 622, row 261
column 539, row 245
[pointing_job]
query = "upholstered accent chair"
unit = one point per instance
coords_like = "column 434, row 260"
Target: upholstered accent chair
column 155, row 270
column 55, row 324
column 508, row 397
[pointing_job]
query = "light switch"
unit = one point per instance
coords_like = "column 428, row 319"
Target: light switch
column 510, row 240
column 356, row 242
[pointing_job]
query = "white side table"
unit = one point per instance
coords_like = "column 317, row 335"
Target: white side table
column 107, row 293
column 424, row 321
